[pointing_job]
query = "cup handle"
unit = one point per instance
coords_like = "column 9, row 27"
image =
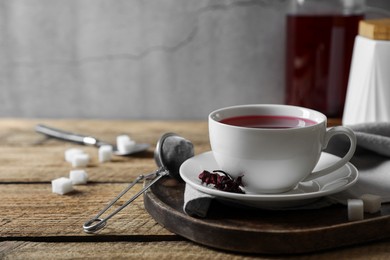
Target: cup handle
column 329, row 134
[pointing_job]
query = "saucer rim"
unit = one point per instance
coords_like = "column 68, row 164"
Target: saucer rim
column 353, row 173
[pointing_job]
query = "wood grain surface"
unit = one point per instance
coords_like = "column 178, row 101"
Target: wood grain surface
column 38, row 224
column 247, row 230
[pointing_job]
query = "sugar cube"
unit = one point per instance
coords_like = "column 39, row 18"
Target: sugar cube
column 105, row 153
column 122, row 138
column 80, row 160
column 372, row 203
column 355, row 209
column 124, row 144
column 78, row 177
column 61, row 185
column 70, row 152
column 126, row 147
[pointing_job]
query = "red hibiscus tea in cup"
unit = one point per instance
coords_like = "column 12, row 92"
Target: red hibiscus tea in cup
column 273, row 147
column 267, row 121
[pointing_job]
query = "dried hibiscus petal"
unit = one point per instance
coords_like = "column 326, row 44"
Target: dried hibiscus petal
column 222, row 182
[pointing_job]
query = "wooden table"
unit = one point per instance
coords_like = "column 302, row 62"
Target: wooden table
column 38, row 224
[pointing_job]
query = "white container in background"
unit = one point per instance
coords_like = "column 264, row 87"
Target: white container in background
column 368, row 93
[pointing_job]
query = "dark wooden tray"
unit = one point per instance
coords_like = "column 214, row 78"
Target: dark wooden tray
column 263, row 231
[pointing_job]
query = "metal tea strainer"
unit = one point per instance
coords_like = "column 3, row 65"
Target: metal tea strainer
column 171, row 151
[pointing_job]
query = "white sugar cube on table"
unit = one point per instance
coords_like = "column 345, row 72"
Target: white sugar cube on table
column 80, row 160
column 70, row 152
column 372, row 203
column 62, row 185
column 125, row 144
column 78, row 177
column 105, row 153
column 126, row 147
column 122, row 138
column 355, row 209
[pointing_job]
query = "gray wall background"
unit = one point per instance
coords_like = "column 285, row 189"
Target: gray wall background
column 140, row 59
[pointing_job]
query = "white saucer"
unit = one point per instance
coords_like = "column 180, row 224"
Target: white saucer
column 303, row 193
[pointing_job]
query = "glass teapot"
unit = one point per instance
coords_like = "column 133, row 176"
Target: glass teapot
column 319, row 46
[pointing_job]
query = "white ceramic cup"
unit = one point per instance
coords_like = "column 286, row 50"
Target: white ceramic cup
column 273, row 160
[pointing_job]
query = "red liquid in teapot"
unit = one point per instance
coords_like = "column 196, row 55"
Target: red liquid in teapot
column 269, row 122
column 319, row 52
